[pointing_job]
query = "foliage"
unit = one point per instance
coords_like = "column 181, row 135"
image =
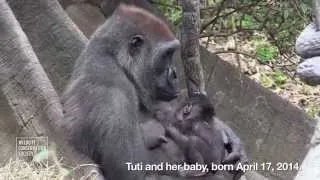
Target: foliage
column 279, row 77
column 280, row 21
column 264, row 30
column 266, row 80
column 265, row 53
column 170, row 9
column 273, row 80
column 312, row 110
column 247, row 21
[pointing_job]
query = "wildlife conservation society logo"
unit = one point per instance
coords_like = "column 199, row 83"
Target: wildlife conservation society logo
column 32, row 150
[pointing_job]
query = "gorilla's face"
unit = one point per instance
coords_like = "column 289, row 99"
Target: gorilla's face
column 165, row 75
column 150, row 49
column 195, row 109
column 154, row 66
column 144, row 48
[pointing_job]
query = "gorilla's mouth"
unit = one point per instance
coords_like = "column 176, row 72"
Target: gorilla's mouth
column 167, row 96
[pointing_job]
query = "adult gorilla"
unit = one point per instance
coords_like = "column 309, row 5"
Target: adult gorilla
column 126, row 67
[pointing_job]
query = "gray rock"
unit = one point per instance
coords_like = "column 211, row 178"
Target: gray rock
column 308, row 42
column 310, row 165
column 309, row 70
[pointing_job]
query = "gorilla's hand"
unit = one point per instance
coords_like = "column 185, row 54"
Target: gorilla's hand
column 236, row 152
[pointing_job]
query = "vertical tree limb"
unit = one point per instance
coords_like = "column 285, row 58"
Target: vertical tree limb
column 190, row 52
column 55, row 39
column 316, row 13
column 29, row 91
column 22, row 78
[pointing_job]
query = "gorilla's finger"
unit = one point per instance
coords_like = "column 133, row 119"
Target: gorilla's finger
column 236, row 153
column 243, row 156
column 177, row 136
column 231, row 158
column 163, row 139
column 225, row 137
column 237, row 174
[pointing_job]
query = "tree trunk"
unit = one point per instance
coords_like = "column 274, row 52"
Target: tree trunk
column 56, row 40
column 23, row 80
column 190, row 53
column 87, row 17
column 316, row 13
column 29, row 91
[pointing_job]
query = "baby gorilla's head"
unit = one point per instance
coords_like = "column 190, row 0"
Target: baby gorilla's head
column 195, row 109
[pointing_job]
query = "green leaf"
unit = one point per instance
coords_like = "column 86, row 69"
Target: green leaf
column 265, row 53
column 170, row 9
column 65, row 172
column 266, row 81
column 247, row 21
column 42, row 155
column 279, row 77
column 286, row 14
column 312, row 110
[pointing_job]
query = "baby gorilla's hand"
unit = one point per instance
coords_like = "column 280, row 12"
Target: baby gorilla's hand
column 187, row 109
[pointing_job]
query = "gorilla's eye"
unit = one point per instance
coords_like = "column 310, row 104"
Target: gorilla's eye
column 136, row 41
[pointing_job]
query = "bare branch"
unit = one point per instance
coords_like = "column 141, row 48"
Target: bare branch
column 228, row 34
column 191, row 47
column 235, row 52
column 213, row 21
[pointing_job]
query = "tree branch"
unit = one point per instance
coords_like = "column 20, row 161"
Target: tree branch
column 212, row 21
column 191, row 47
column 227, row 34
column 23, row 80
column 316, row 11
column 235, row 52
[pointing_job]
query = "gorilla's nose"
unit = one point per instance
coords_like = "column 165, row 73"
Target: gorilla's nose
column 172, row 73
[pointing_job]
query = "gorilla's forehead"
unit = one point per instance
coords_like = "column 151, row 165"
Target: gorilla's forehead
column 145, row 21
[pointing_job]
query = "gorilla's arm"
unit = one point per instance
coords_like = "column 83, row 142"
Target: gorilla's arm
column 180, row 139
column 104, row 133
column 153, row 134
column 233, row 143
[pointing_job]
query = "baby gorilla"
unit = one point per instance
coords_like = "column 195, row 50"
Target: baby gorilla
column 191, row 125
column 202, row 143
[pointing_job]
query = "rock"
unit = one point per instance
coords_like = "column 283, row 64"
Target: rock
column 309, row 70
column 308, row 42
